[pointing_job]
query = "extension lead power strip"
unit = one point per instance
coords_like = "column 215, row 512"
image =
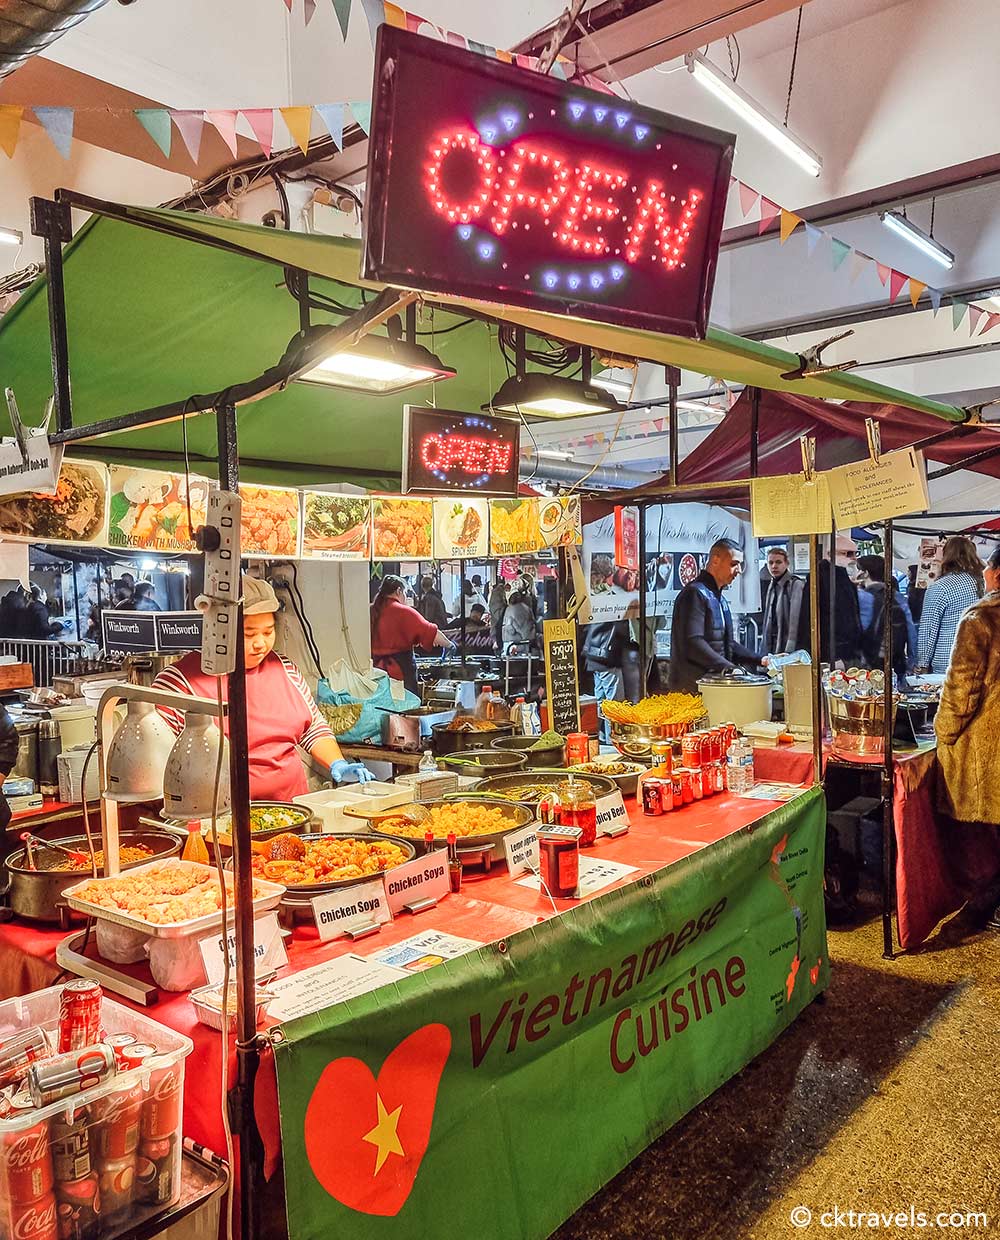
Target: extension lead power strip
column 219, row 539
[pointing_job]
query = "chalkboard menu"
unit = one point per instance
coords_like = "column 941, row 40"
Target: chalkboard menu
column 561, row 685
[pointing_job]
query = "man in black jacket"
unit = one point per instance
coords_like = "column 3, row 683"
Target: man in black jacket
column 786, row 607
column 701, row 635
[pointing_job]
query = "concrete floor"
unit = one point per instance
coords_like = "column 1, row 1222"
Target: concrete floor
column 881, row 1098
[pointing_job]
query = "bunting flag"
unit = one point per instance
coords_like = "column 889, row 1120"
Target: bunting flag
column 748, row 198
column 916, row 291
column 375, row 12
column 362, row 110
column 769, row 212
column 859, row 262
column 883, row 272
column 58, row 124
column 332, row 116
column 813, row 235
column 299, row 122
column 343, row 10
column 309, row 8
column 975, row 314
column 958, row 309
column 789, row 223
column 189, row 125
column 261, row 121
column 992, row 319
column 10, row 127
column 156, row 122
column 840, row 251
column 935, row 295
column 225, row 122
column 896, row 281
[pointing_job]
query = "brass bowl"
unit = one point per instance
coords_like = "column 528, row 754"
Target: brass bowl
column 635, row 740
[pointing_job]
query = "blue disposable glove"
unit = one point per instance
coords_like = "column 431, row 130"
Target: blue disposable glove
column 344, row 772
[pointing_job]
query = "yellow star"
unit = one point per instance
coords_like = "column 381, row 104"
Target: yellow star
column 384, row 1136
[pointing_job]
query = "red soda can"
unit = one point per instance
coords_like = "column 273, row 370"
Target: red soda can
column 34, row 1220
column 678, row 787
column 117, row 1042
column 691, row 750
column 78, row 1208
column 69, row 1141
column 161, row 1112
column 116, row 1132
column 117, row 1186
column 697, row 791
column 63, row 1075
column 156, row 1179
column 708, row 779
column 26, row 1164
column 577, row 748
column 652, row 796
column 19, row 1051
column 79, row 1014
column 687, row 787
column 136, row 1054
column 667, row 795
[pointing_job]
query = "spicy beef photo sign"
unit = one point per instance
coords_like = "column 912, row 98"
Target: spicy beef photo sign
column 497, row 183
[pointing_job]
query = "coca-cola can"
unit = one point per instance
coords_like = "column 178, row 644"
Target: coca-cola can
column 19, row 1051
column 26, row 1162
column 116, row 1131
column 33, row 1220
column 691, row 750
column 71, row 1073
column 13, row 1100
column 161, row 1112
column 117, row 1179
column 118, row 1042
column 697, row 791
column 156, row 1172
column 136, row 1054
column 69, row 1140
column 708, row 779
column 79, row 1014
column 78, row 1208
column 687, row 787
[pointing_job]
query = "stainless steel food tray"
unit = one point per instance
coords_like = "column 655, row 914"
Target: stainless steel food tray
column 269, row 899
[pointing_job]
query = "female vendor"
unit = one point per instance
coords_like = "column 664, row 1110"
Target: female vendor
column 281, row 712
column 396, row 629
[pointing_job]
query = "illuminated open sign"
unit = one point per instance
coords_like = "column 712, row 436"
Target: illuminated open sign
column 445, row 451
column 497, row 183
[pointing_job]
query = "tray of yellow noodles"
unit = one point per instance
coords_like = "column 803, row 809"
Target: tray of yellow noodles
column 634, row 726
column 474, row 823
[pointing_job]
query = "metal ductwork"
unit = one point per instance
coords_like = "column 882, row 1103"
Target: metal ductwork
column 28, row 27
column 615, row 477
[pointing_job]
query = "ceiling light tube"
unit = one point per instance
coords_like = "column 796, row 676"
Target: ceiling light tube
column 10, row 236
column 925, row 243
column 768, row 126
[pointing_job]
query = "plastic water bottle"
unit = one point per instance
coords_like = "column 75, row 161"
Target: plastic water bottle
column 734, row 768
column 427, row 762
column 747, row 764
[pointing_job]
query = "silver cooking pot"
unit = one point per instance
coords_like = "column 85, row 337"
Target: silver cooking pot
column 411, row 729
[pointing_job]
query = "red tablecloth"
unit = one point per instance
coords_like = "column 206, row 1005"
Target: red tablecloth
column 488, row 908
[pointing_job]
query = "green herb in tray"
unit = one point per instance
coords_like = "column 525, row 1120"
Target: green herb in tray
column 548, row 740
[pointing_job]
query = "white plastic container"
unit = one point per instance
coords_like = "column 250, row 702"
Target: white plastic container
column 70, row 765
column 327, row 807
column 25, row 1150
column 388, row 796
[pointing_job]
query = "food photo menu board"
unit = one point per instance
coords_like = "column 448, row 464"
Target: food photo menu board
column 152, row 510
column 461, row 529
column 336, row 527
column 270, row 522
column 77, row 512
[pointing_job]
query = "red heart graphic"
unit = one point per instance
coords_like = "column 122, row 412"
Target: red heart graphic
column 366, row 1138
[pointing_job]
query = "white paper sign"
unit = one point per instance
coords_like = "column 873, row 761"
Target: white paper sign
column 423, row 878
column 423, row 951
column 337, row 912
column 787, row 504
column 521, row 848
column 594, row 875
column 866, row 491
column 28, row 462
column 268, row 949
column 326, row 984
column 611, row 815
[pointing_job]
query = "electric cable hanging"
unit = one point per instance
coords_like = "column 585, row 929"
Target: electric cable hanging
column 791, row 71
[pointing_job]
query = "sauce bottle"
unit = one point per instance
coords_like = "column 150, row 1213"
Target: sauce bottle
column 195, row 848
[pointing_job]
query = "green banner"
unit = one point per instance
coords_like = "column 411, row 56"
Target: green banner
column 493, row 1094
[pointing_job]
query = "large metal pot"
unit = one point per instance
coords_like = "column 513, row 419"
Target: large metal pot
column 411, row 729
column 37, row 894
column 446, row 741
column 736, row 697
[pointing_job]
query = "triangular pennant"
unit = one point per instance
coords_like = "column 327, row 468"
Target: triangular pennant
column 362, row 110
column 916, row 291
column 375, row 14
column 190, row 126
column 789, row 222
column 10, row 127
column 958, row 309
column 394, row 15
column 859, row 261
column 156, row 122
column 225, row 123
column 332, row 116
column 975, row 314
column 896, row 281
column 299, row 122
column 261, row 121
column 769, row 212
column 660, row 424
column 935, row 295
column 992, row 319
column 58, row 124
column 748, row 198
column 288, row 5
column 308, row 8
column 813, row 235
column 883, row 271
column 839, row 251
column 343, row 10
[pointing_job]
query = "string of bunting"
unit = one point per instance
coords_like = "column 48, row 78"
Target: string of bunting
column 771, row 215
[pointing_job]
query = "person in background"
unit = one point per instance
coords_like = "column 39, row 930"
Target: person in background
column 786, row 607
column 430, row 604
column 946, row 602
column 473, row 597
column 838, row 578
column 144, row 598
column 603, row 653
column 13, row 606
column 526, row 585
column 518, row 624
column 476, row 636
column 915, row 594
column 967, row 726
column 701, row 635
column 36, row 623
column 497, row 606
column 871, row 600
column 396, row 629
column 8, row 760
column 281, row 713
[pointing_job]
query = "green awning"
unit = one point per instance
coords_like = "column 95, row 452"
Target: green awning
column 153, row 319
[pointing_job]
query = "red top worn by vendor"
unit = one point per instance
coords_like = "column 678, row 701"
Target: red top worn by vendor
column 396, row 629
column 281, row 712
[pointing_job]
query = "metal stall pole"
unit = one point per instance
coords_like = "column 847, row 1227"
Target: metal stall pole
column 814, row 643
column 833, row 597
column 241, row 1112
column 888, row 831
column 754, row 431
column 643, row 637
column 673, row 442
column 53, row 223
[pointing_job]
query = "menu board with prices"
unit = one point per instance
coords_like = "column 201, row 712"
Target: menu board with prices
column 149, row 509
column 401, row 528
column 269, row 527
column 461, row 529
column 77, row 512
column 336, row 527
column 561, row 684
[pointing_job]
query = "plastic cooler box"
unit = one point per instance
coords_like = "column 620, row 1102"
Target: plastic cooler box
column 125, row 1133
